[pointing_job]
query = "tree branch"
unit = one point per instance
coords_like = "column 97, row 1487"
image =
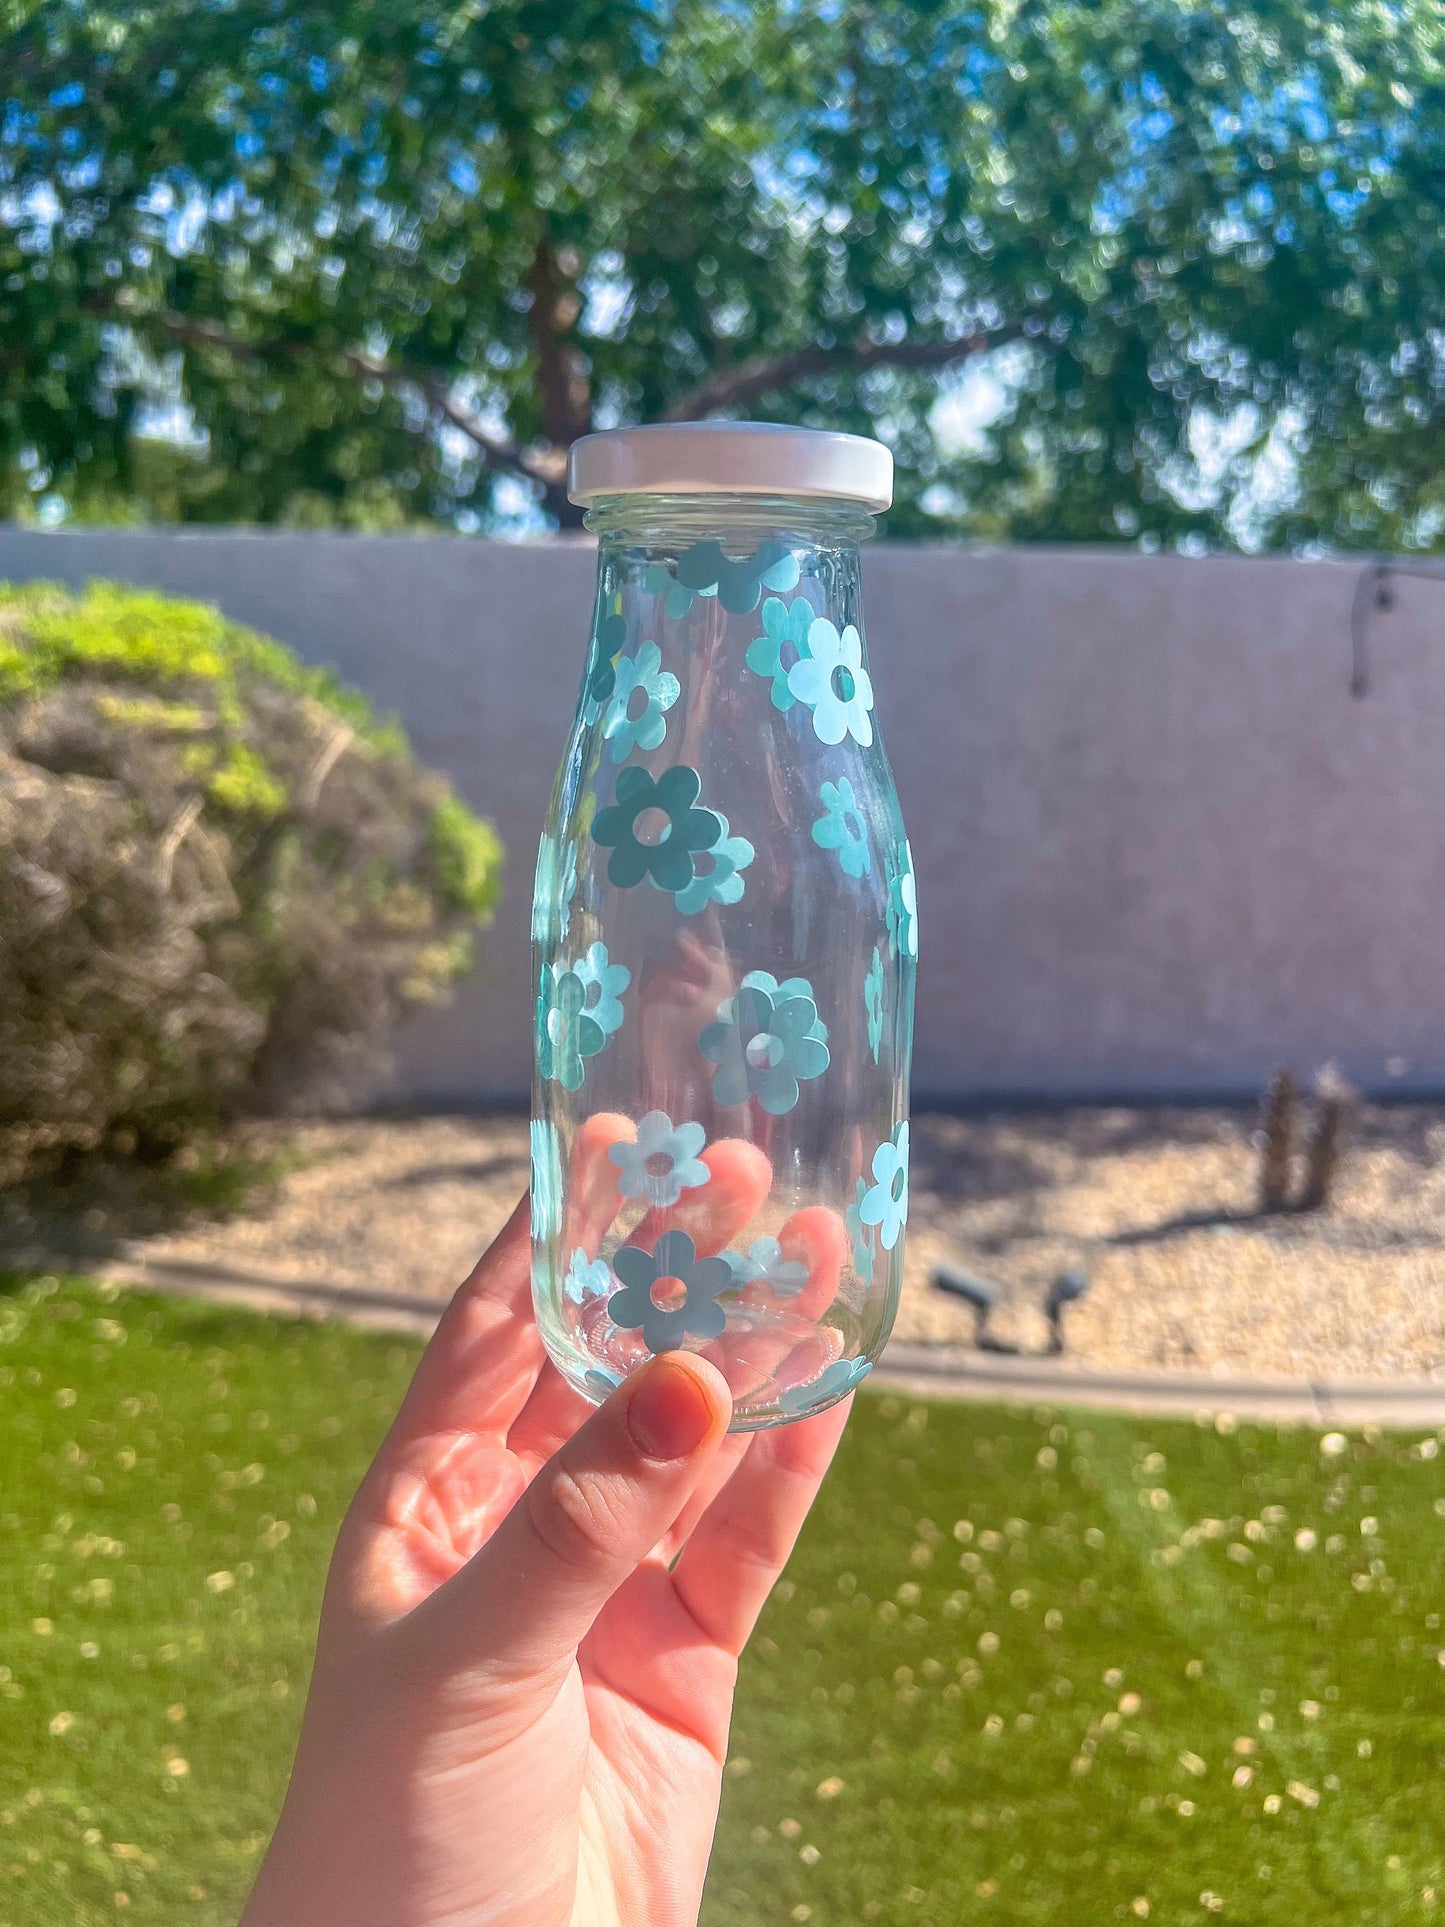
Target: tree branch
column 546, row 466
column 727, row 387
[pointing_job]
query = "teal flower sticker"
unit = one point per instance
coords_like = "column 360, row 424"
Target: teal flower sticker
column 663, row 1163
column 902, row 903
column 685, row 830
column 833, row 683
column 717, row 873
column 586, row 1278
column 764, row 1264
column 643, row 691
column 861, row 1236
column 767, row 1040
column 566, row 1034
column 579, row 1006
column 873, row 1002
column 690, row 1286
column 706, row 570
column 608, row 636
column 783, row 643
column 841, row 828
column 546, row 1180
column 658, row 580
column 604, row 982
column 827, row 1388
column 599, row 1385
column 555, row 887
column 886, row 1204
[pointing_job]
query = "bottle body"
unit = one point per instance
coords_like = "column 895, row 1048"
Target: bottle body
column 724, row 933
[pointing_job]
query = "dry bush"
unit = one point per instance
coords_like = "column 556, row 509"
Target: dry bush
column 222, row 876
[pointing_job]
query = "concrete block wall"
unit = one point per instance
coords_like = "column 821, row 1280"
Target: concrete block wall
column 1160, row 848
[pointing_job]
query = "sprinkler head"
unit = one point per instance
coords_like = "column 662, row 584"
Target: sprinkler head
column 1067, row 1289
column 963, row 1284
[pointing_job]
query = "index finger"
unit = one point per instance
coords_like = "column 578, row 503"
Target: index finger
column 484, row 1356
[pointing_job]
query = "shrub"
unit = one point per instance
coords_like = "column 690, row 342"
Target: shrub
column 222, row 875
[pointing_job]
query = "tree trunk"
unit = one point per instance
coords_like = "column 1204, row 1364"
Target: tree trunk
column 566, row 514
column 563, row 384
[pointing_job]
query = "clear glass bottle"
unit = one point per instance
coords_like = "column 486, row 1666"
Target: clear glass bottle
column 724, row 933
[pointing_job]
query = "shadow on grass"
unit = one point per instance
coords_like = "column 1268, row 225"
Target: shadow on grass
column 83, row 1211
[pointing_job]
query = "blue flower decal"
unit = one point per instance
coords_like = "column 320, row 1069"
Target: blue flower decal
column 604, row 982
column 586, row 1278
column 628, row 724
column 554, row 889
column 766, row 1040
column 827, row 1388
column 689, row 1310
column 546, row 1180
column 676, row 597
column 608, row 637
column 902, row 903
column 578, row 1008
column 886, row 1204
column 861, row 1236
column 832, row 681
column 663, row 1163
column 841, row 828
column 565, row 1033
column 783, row 643
column 764, row 1264
column 599, row 1385
column 873, row 1002
column 669, row 861
column 705, row 570
column 717, row 873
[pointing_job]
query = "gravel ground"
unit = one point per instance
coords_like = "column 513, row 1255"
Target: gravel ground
column 1155, row 1203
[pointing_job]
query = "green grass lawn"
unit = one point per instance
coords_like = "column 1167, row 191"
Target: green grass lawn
column 1025, row 1667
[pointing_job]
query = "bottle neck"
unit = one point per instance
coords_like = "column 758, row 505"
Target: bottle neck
column 739, row 522
column 659, row 554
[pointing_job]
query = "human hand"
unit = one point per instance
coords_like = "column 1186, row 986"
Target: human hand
column 528, row 1648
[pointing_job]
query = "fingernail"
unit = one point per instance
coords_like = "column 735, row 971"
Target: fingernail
column 670, row 1413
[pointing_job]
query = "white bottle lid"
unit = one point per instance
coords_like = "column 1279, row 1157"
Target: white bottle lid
column 730, row 458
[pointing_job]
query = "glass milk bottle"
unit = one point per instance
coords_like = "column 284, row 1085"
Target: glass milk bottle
column 724, row 931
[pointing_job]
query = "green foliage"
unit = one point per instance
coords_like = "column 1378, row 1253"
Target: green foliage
column 236, row 779
column 222, row 877
column 377, row 257
column 140, row 636
column 468, row 858
column 1237, row 1631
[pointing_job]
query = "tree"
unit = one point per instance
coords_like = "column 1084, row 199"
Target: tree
column 384, row 259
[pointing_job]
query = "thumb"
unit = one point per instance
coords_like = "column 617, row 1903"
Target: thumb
column 591, row 1515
